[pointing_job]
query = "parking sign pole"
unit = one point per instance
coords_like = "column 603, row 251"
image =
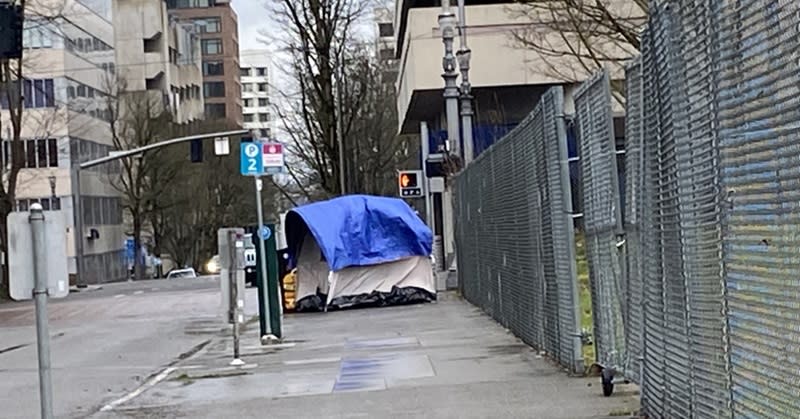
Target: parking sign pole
column 262, row 253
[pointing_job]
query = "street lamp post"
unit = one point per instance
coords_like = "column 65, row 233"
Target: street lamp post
column 464, row 54
column 447, row 22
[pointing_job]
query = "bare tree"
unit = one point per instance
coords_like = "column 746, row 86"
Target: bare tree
column 316, row 36
column 373, row 149
column 13, row 74
column 202, row 198
column 137, row 119
column 574, row 38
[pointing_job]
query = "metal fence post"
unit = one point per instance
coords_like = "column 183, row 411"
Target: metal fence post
column 40, row 298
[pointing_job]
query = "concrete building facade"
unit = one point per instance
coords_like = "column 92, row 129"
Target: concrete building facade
column 256, row 104
column 385, row 43
column 219, row 44
column 158, row 54
column 68, row 61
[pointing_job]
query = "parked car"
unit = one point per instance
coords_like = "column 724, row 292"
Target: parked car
column 182, row 273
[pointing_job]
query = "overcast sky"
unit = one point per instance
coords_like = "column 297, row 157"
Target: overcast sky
column 252, row 18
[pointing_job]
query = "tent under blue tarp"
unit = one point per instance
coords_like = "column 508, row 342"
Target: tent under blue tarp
column 360, row 230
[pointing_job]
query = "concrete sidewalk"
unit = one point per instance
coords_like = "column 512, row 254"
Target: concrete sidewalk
column 442, row 360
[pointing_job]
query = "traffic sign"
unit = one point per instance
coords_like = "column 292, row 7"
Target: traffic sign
column 273, row 159
column 252, row 163
column 410, row 183
column 264, row 232
column 20, row 257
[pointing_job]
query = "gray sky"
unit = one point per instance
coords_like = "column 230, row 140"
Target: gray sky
column 252, row 18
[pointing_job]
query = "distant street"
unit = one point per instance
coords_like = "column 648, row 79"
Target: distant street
column 105, row 342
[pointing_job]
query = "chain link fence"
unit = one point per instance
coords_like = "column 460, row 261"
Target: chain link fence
column 715, row 97
column 695, row 292
column 602, row 221
column 633, row 223
column 515, row 234
column 757, row 88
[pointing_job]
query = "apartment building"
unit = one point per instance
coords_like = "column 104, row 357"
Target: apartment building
column 68, row 61
column 255, row 77
column 160, row 55
column 385, row 42
column 219, row 43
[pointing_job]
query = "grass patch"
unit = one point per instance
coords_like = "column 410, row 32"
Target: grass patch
column 585, row 295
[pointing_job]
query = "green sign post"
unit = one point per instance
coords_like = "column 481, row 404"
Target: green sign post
column 269, row 301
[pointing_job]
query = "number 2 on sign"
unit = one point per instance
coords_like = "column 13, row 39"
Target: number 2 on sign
column 252, row 165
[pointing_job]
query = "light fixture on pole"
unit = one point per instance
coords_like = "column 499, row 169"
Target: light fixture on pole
column 447, row 23
column 464, row 55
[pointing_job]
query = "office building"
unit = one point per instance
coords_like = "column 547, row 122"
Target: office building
column 257, row 108
column 219, row 43
column 68, row 62
column 160, row 55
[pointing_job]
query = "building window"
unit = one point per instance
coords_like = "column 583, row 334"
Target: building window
column 387, row 54
column 247, row 87
column 248, row 117
column 262, row 87
column 48, row 204
column 37, row 154
column 36, row 94
column 215, row 110
column 244, row 72
column 247, row 103
column 386, row 29
column 263, row 117
column 214, row 89
column 209, row 25
column 101, row 210
column 261, row 71
column 188, row 4
column 87, row 45
column 262, row 102
column 211, row 46
column 213, row 68
column 265, row 133
column 36, row 34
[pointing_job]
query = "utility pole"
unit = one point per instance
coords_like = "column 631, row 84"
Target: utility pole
column 447, row 22
column 339, row 135
column 464, row 54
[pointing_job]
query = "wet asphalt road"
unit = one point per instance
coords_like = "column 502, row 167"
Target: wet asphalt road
column 105, row 342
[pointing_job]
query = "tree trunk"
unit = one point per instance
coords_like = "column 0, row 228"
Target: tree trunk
column 138, row 266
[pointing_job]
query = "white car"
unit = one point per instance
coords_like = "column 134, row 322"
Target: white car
column 182, row 273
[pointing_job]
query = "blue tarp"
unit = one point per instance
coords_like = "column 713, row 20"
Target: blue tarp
column 360, row 230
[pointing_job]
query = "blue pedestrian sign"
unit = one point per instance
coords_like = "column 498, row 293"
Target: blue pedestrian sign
column 252, row 162
column 264, row 232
